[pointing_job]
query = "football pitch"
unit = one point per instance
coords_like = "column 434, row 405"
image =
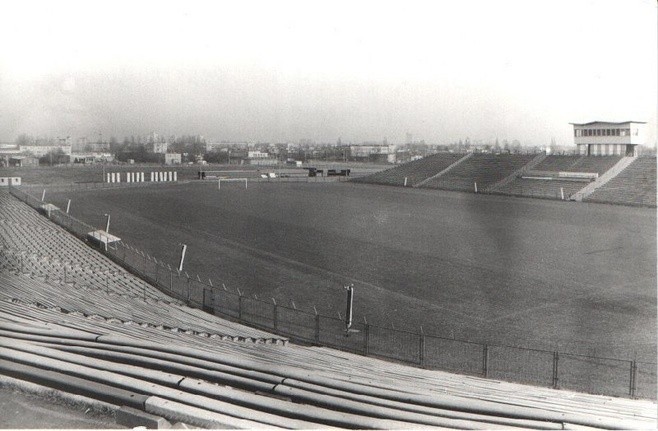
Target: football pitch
column 547, row 274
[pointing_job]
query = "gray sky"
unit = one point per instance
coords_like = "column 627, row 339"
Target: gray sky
column 279, row 71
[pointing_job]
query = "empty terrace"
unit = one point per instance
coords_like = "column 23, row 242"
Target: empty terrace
column 483, row 169
column 635, row 185
column 414, row 172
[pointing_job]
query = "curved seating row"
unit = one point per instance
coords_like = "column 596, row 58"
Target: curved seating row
column 292, row 387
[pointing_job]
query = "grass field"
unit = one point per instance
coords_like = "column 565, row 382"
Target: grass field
column 548, row 274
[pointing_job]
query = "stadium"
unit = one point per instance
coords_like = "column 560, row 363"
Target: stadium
column 328, row 215
column 473, row 301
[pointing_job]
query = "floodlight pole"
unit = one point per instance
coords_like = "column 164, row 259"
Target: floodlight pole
column 350, row 301
column 68, row 206
column 182, row 257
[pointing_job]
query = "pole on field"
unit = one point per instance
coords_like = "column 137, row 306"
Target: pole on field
column 68, row 206
column 107, row 223
column 476, row 187
column 182, row 257
column 405, row 181
column 350, row 302
column 562, row 192
column 43, row 195
column 219, row 184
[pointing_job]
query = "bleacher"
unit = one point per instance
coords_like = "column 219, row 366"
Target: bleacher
column 544, row 180
column 635, row 185
column 52, row 268
column 415, row 171
column 483, row 169
column 214, row 383
column 594, row 164
column 542, row 188
column 120, row 341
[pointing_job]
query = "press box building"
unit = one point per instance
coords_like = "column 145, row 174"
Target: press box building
column 603, row 138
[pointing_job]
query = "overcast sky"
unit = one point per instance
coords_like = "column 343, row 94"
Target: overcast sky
column 277, row 71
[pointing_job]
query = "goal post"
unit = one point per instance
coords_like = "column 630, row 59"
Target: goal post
column 229, row 180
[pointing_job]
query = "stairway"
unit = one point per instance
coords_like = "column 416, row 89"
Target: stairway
column 458, row 162
column 603, row 179
column 534, row 162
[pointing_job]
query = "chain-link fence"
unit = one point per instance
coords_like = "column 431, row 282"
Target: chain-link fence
column 599, row 375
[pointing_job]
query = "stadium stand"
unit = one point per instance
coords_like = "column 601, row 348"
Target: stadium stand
column 147, row 354
column 635, row 185
column 483, row 169
column 214, row 383
column 54, row 268
column 542, row 188
column 543, row 181
column 415, row 171
column 597, row 164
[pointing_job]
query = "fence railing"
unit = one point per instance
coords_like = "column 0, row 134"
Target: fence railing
column 585, row 373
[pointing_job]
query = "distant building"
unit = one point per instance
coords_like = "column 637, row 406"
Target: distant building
column 42, row 150
column 171, row 159
column 158, row 147
column 217, row 146
column 23, row 161
column 381, row 153
column 88, row 158
column 603, row 138
column 257, row 155
column 260, row 158
column 7, row 151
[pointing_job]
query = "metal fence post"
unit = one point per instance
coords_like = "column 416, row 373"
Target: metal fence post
column 485, row 360
column 317, row 328
column 633, row 383
column 275, row 317
column 366, row 340
column 204, row 306
column 240, row 306
column 421, row 350
column 555, row 369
